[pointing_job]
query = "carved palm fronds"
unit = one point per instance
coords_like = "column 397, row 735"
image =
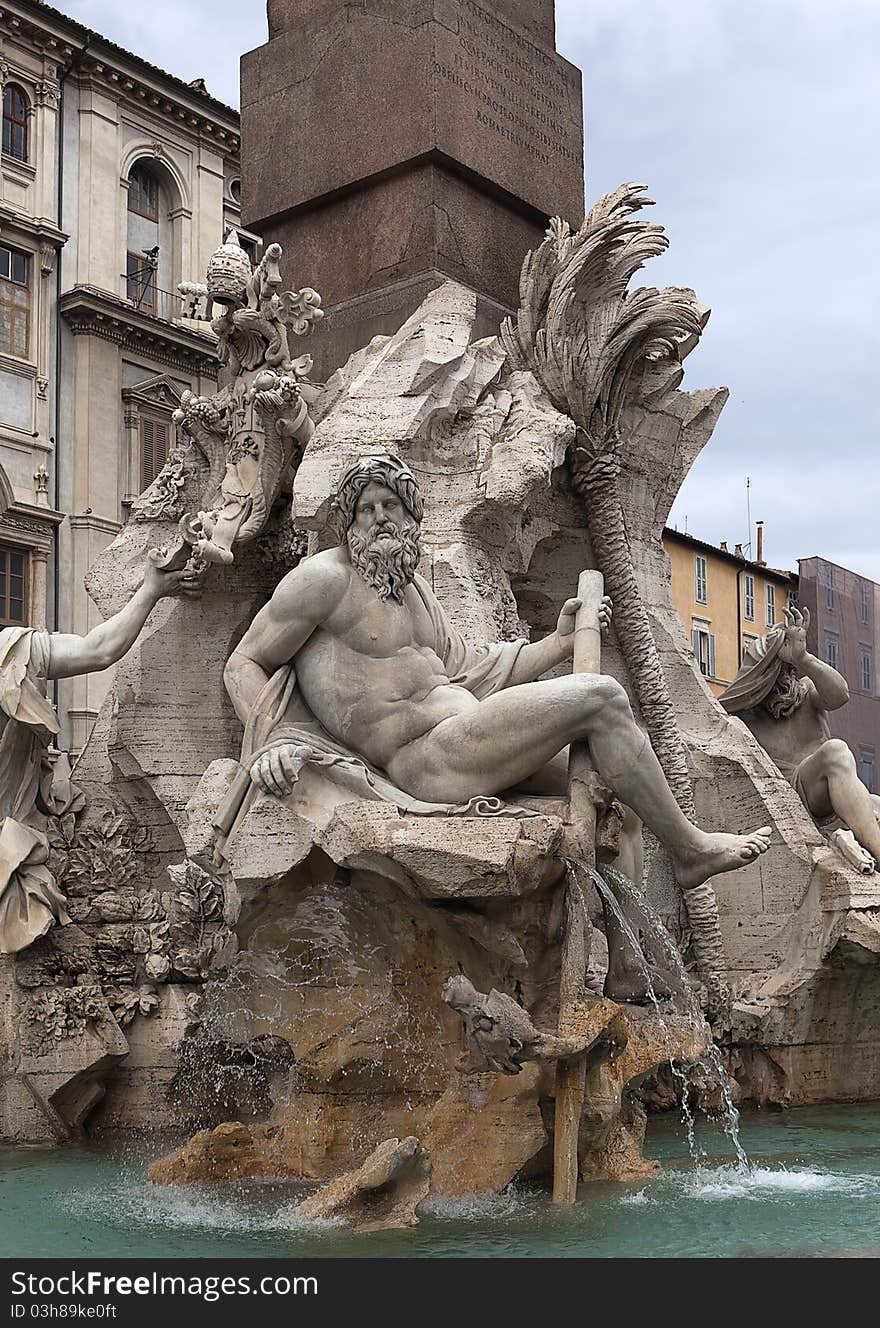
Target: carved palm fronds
column 589, row 340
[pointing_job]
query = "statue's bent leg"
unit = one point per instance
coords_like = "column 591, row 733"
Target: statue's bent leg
column 517, row 731
column 828, row 782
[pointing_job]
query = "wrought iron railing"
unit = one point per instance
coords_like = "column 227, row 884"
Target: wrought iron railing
column 143, row 293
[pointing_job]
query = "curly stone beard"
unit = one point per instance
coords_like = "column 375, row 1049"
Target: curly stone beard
column 787, row 694
column 390, row 565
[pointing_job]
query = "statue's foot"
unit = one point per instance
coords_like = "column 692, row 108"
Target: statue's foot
column 718, row 853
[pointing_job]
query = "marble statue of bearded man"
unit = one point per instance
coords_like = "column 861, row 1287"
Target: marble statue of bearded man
column 353, row 665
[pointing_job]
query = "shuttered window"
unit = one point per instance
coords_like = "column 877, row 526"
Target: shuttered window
column 15, row 122
column 700, row 579
column 749, row 597
column 141, row 282
column 703, row 642
column 771, row 605
column 15, row 301
column 155, row 435
column 13, row 586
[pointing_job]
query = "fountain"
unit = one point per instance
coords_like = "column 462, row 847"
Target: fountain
column 319, row 893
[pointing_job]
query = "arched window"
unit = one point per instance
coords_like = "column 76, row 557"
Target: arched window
column 143, row 192
column 15, row 122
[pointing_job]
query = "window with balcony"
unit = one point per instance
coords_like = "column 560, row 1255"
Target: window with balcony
column 15, row 122
column 13, row 586
column 771, row 605
column 15, row 301
column 140, row 281
column 749, row 597
column 155, row 442
column 701, row 579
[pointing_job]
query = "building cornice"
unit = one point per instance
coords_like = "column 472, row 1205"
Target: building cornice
column 28, row 524
column 88, row 521
column 769, row 573
column 121, row 72
column 95, row 313
column 41, row 228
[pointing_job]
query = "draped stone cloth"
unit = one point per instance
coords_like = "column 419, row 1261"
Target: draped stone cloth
column 757, row 674
column 280, row 715
column 30, row 901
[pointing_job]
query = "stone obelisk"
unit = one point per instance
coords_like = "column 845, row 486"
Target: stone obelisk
column 389, row 144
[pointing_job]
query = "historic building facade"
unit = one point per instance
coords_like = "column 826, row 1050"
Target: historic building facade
column 724, row 599
column 845, row 632
column 118, row 182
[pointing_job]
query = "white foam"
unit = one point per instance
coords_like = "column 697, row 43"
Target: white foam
column 637, row 1200
column 733, row 1182
column 183, row 1208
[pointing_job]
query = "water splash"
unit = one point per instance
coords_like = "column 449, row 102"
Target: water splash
column 660, row 934
column 638, row 1200
column 676, row 1071
column 236, row 1208
column 761, row 1183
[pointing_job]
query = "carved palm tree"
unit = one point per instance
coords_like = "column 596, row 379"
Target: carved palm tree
column 596, row 347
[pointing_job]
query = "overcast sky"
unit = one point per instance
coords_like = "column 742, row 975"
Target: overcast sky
column 755, row 125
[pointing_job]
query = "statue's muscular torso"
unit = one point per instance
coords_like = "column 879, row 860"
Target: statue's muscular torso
column 368, row 670
column 790, row 741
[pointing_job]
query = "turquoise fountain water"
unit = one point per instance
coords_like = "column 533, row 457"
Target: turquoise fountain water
column 813, row 1190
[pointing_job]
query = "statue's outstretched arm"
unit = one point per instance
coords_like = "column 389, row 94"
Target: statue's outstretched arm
column 70, row 655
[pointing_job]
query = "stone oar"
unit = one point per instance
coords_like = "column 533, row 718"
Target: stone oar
column 575, row 942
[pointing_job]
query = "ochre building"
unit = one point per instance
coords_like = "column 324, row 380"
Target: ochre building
column 725, row 600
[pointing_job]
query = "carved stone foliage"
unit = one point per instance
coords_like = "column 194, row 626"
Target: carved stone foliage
column 596, row 347
column 132, row 936
column 104, row 858
column 162, row 500
column 198, row 932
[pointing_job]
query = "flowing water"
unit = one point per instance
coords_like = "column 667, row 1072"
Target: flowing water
column 685, row 1001
column 813, row 1191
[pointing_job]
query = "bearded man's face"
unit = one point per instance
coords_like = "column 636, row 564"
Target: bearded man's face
column 383, row 542
column 788, row 692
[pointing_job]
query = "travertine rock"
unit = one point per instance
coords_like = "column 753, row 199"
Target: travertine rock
column 224, row 1153
column 383, row 1193
column 483, row 1131
column 613, row 1125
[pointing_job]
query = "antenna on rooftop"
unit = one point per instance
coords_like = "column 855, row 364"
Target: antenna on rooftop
column 748, row 544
